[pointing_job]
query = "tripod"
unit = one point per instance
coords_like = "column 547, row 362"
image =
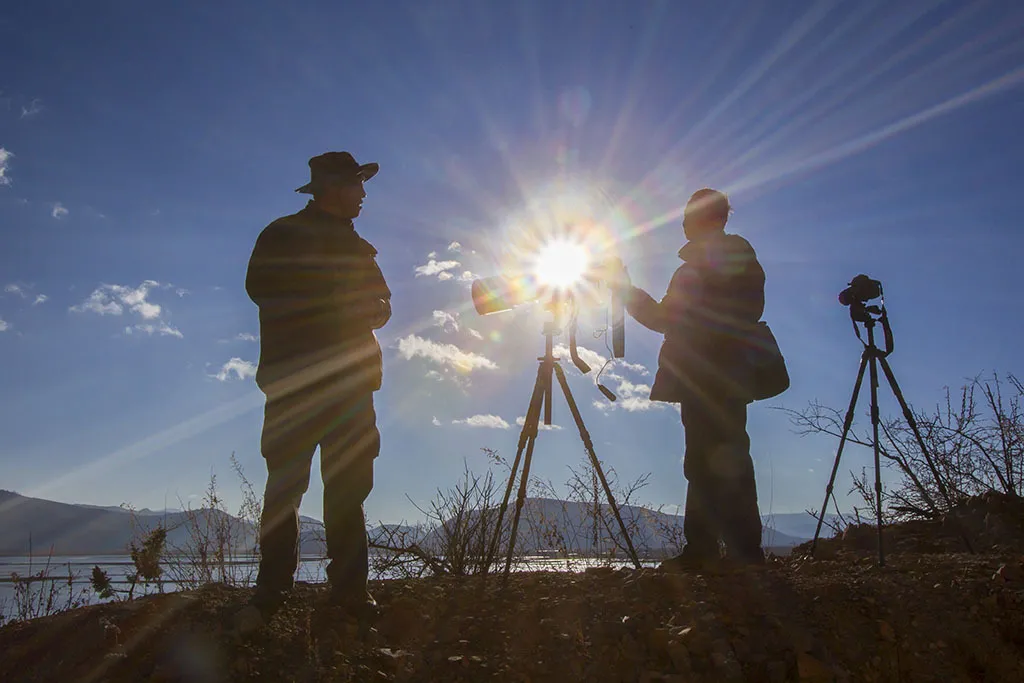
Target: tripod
column 871, row 358
column 541, row 398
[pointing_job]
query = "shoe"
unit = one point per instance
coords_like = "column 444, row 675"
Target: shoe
column 689, row 561
column 358, row 604
column 260, row 610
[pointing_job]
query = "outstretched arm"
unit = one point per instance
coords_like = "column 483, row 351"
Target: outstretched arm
column 645, row 310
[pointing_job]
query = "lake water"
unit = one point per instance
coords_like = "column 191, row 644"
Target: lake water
column 69, row 577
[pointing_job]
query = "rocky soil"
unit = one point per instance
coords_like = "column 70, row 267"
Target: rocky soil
column 933, row 613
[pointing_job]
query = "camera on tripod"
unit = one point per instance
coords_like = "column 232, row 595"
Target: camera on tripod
column 861, row 290
column 563, row 278
column 501, row 293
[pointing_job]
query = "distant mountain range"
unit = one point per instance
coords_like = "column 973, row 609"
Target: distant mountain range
column 44, row 526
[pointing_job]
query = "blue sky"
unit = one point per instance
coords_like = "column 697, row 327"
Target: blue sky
column 144, row 150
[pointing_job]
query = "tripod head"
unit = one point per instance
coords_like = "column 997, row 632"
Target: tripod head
column 869, row 316
column 557, row 306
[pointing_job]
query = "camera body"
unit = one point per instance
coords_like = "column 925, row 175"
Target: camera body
column 861, row 290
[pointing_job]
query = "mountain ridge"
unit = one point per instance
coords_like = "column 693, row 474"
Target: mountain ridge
column 35, row 525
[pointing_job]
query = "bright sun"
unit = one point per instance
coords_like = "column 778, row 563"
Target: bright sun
column 561, row 264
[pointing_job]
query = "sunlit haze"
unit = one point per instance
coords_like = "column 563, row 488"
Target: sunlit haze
column 561, row 264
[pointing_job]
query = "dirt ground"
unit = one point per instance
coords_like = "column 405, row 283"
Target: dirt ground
column 922, row 617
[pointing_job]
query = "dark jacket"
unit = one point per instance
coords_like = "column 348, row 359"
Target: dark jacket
column 320, row 296
column 712, row 302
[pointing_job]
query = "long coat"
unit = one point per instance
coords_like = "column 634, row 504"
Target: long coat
column 711, row 304
column 320, row 295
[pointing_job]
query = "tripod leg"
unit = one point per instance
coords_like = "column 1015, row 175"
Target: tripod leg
column 847, row 423
column 878, row 470
column 909, row 416
column 528, row 432
column 521, row 497
column 589, row 445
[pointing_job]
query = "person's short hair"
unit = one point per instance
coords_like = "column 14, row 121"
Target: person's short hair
column 707, row 203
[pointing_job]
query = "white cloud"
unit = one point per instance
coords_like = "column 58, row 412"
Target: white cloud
column 59, row 211
column 592, row 358
column 596, row 361
column 432, row 254
column 241, row 369
column 15, row 289
column 247, row 336
column 163, row 329
column 485, row 421
column 40, row 298
column 113, row 299
column 455, row 246
column 635, row 367
column 445, row 276
column 473, row 333
column 448, row 322
column 435, row 422
column 181, row 292
column 4, row 325
column 434, row 375
column 5, row 159
column 629, row 389
column 433, row 267
column 541, row 426
column 447, row 355
column 631, row 397
column 467, row 276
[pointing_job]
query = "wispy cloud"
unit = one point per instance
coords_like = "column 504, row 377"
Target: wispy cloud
column 162, row 329
column 5, row 161
column 455, row 246
column 241, row 369
column 33, row 108
column 58, row 211
column 541, row 426
column 485, row 421
column 181, row 292
column 434, row 267
column 435, row 422
column 247, row 336
column 4, row 325
column 24, row 291
column 447, row 355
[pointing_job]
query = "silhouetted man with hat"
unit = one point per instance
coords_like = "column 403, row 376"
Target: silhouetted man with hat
column 712, row 302
column 320, row 295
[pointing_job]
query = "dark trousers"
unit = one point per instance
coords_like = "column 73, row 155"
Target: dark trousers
column 345, row 429
column 721, row 498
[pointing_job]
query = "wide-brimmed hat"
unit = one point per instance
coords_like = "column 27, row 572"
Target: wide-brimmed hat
column 336, row 167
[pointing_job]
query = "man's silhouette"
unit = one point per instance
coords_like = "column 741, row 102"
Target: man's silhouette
column 712, row 302
column 320, row 296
